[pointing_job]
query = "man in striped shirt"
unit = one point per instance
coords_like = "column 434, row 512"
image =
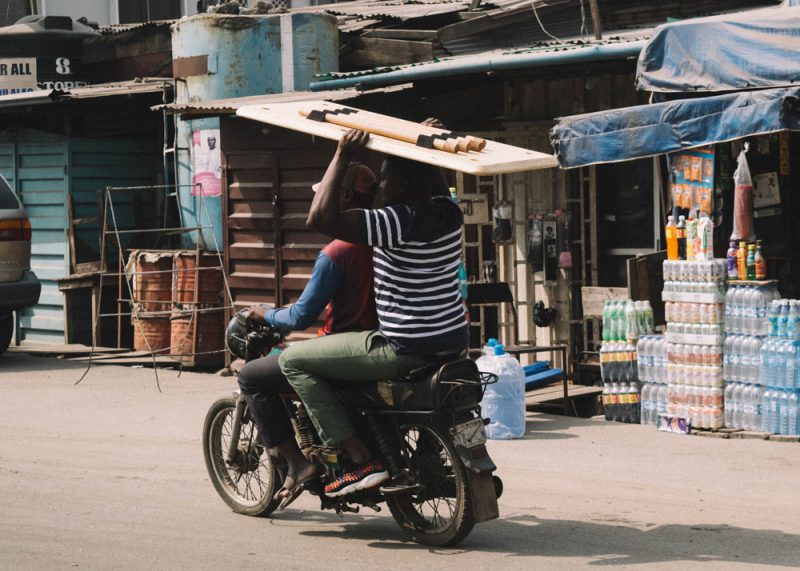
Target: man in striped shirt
column 416, row 239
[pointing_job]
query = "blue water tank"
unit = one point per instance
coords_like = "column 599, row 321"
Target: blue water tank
column 219, row 57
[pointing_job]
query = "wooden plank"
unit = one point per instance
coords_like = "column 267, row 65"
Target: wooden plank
column 593, row 298
column 495, row 158
column 556, row 395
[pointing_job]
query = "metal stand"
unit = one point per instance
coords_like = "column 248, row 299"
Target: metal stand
column 137, row 310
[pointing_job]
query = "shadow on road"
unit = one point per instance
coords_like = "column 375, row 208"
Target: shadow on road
column 606, row 543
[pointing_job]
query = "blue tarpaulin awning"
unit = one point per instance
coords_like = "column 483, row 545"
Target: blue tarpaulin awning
column 729, row 52
column 648, row 130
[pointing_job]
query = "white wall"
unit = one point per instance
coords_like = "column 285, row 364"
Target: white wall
column 104, row 12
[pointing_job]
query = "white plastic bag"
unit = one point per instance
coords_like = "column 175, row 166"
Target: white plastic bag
column 504, row 401
column 743, row 228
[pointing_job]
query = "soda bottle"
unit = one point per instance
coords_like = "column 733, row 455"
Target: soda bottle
column 741, row 260
column 631, row 329
column 607, row 403
column 751, row 262
column 691, row 239
column 733, row 271
column 681, row 233
column 760, row 262
column 672, row 238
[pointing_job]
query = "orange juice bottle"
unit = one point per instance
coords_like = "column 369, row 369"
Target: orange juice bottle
column 671, row 231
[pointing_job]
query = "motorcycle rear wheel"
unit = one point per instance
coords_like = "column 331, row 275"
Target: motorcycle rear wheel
column 441, row 515
column 248, row 484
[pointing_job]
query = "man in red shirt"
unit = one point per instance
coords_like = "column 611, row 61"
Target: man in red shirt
column 342, row 280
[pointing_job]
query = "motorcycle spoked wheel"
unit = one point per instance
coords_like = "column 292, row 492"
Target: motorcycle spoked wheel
column 249, row 484
column 440, row 515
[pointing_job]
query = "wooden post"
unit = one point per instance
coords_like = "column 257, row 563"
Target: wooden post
column 596, row 24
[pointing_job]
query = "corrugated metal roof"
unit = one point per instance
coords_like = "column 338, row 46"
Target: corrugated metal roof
column 229, row 106
column 43, row 96
column 638, row 35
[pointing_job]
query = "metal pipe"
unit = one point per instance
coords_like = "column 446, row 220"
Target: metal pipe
column 484, row 63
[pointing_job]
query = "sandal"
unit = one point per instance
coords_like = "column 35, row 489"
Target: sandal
column 293, row 488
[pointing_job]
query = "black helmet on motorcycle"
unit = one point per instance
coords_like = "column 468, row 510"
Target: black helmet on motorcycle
column 242, row 335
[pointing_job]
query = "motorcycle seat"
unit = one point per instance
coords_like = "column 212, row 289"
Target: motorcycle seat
column 455, row 383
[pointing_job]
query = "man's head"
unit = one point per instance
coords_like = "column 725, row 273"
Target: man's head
column 404, row 180
column 212, row 142
column 358, row 188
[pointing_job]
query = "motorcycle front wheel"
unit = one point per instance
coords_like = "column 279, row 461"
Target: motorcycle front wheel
column 441, row 513
column 249, row 481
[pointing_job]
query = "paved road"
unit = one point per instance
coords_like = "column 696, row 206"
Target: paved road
column 109, row 474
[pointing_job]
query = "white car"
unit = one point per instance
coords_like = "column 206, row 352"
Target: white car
column 19, row 286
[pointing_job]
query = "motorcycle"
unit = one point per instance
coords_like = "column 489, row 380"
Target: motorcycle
column 426, row 427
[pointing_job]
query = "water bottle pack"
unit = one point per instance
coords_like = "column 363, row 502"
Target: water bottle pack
column 695, row 271
column 783, row 319
column 687, row 354
column 742, row 358
column 694, row 292
column 743, row 405
column 651, row 352
column 652, row 363
column 504, row 401
column 779, row 411
column 626, row 320
column 703, row 406
column 655, row 402
column 710, row 313
column 746, row 309
column 696, row 333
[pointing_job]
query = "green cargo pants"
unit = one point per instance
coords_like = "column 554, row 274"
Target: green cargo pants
column 356, row 357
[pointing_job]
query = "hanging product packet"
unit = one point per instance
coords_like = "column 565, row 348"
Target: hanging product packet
column 743, row 228
column 501, row 214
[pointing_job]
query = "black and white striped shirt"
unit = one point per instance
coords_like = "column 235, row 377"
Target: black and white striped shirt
column 416, row 255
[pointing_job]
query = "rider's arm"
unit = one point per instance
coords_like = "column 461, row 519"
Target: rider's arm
column 325, row 216
column 323, row 285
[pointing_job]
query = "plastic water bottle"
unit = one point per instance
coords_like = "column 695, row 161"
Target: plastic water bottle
column 783, row 320
column 789, row 365
column 758, row 414
column 728, row 396
column 738, row 409
column 783, row 412
column 491, row 343
column 789, row 414
column 766, row 411
column 504, row 401
column 740, row 413
column 772, row 317
column 793, row 323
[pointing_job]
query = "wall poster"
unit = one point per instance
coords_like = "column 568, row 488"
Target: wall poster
column 206, row 163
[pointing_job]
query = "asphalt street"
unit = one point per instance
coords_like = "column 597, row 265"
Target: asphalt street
column 109, row 474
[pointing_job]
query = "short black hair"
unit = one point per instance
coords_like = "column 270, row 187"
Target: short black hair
column 419, row 180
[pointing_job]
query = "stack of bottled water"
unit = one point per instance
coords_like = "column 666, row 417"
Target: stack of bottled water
column 778, row 373
column 652, row 361
column 694, row 293
column 746, row 325
column 618, row 369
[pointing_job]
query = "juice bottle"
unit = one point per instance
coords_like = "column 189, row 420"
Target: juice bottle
column 741, row 260
column 681, row 228
column 751, row 262
column 672, row 238
column 733, row 270
column 761, row 262
column 691, row 239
